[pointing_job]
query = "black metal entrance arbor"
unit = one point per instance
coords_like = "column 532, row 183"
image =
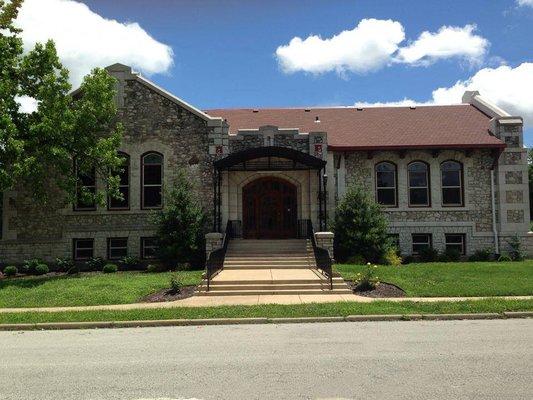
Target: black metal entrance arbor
column 269, row 158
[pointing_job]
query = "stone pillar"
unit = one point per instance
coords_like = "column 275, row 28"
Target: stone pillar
column 325, row 240
column 213, row 241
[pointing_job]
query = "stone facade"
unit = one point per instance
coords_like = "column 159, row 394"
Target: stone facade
column 473, row 219
column 156, row 121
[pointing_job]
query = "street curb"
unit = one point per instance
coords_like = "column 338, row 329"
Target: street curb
column 249, row 321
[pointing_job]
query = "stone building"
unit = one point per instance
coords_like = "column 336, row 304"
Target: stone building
column 446, row 176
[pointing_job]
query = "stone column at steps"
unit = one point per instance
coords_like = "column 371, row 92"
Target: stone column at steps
column 213, row 241
column 325, row 240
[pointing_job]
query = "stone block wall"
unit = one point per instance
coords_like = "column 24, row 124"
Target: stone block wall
column 152, row 122
column 474, row 219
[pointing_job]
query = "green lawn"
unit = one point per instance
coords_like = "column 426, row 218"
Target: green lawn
column 455, row 279
column 274, row 311
column 87, row 289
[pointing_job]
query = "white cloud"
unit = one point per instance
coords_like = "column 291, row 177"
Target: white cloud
column 85, row 40
column 507, row 87
column 528, row 3
column 369, row 46
column 449, row 41
column 27, row 104
column 375, row 43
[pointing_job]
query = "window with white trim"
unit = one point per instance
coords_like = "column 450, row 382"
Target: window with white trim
column 117, row 248
column 152, row 181
column 452, row 183
column 456, row 241
column 421, row 241
column 82, row 249
column 149, row 247
column 386, row 190
column 418, row 177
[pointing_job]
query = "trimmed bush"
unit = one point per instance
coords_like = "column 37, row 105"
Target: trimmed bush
column 29, row 265
column 360, row 227
column 175, row 284
column 516, row 252
column 41, row 269
column 482, row 255
column 428, row 254
column 10, row 270
column 181, row 225
column 129, row 262
column 64, row 264
column 95, row 264
column 392, row 257
column 151, row 268
column 110, row 269
column 504, row 258
column 450, row 255
column 367, row 280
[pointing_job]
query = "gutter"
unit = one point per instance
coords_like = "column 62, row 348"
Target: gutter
column 493, row 200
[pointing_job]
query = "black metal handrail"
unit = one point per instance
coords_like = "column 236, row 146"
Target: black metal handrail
column 322, row 257
column 215, row 262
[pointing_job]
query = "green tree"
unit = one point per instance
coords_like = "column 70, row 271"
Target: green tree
column 360, row 227
column 37, row 149
column 530, row 174
column 181, row 225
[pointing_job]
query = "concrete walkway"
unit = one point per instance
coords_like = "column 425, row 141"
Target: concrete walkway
column 213, row 301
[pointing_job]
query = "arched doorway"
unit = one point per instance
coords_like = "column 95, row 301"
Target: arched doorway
column 269, row 209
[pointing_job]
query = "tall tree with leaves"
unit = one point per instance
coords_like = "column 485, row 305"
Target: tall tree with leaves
column 530, row 174
column 181, row 225
column 37, row 149
column 360, row 227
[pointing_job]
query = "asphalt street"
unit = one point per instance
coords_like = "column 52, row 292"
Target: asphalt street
column 360, row 360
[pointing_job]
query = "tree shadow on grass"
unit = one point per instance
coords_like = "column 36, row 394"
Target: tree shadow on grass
column 33, row 281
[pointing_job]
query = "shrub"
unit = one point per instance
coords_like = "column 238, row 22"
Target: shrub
column 183, row 267
column 64, row 264
column 516, row 252
column 392, row 257
column 366, row 280
column 481, row 255
column 450, row 255
column 29, row 265
column 505, row 258
column 356, row 260
column 10, row 270
column 428, row 254
column 110, row 269
column 151, row 268
column 360, row 227
column 409, row 259
column 181, row 225
column 95, row 264
column 129, row 262
column 41, row 269
column 175, row 284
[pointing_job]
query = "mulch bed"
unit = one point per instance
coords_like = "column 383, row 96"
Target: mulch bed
column 382, row 290
column 169, row 295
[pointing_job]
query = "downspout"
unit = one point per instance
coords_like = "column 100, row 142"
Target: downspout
column 494, row 227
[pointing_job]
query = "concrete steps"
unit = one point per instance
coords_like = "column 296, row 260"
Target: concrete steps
column 271, row 267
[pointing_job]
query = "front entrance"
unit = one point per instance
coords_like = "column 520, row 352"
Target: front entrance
column 269, row 209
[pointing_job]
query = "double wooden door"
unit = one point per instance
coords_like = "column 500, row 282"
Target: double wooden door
column 269, row 209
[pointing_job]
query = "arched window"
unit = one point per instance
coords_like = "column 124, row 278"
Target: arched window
column 418, row 176
column 386, row 188
column 452, row 183
column 152, row 180
column 124, row 186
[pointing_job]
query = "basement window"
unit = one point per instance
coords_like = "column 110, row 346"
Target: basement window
column 456, row 241
column 83, row 249
column 421, row 241
column 149, row 247
column 117, row 248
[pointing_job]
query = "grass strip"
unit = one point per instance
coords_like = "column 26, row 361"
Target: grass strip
column 274, row 311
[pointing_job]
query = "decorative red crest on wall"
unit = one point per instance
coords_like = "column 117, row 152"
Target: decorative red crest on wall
column 318, row 150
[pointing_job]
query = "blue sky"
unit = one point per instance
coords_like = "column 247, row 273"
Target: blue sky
column 224, row 52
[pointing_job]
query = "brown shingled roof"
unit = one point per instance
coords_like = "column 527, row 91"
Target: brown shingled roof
column 349, row 128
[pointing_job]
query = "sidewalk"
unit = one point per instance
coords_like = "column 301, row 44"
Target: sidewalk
column 213, row 301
